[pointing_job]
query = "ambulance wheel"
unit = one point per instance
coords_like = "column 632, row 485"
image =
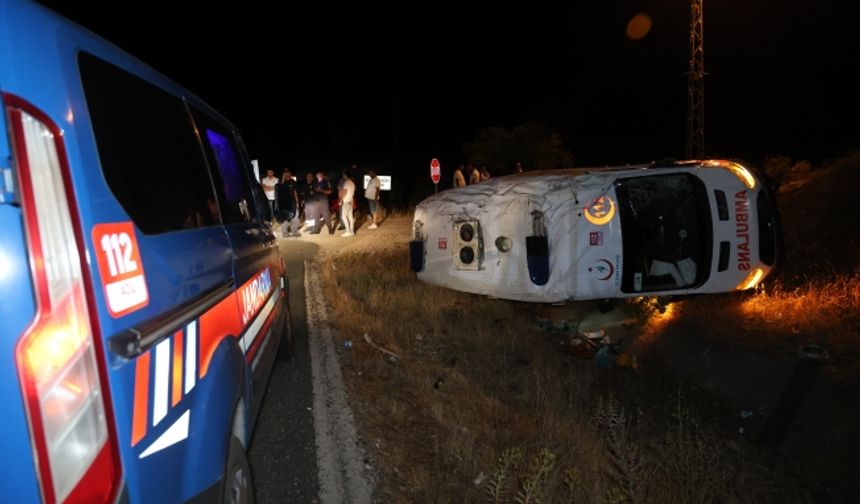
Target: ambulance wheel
column 238, row 485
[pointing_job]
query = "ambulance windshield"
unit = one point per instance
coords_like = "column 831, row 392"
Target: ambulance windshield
column 666, row 230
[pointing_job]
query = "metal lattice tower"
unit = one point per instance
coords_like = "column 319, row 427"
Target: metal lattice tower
column 696, row 85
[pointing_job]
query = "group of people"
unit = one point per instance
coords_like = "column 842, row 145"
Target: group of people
column 476, row 175
column 291, row 201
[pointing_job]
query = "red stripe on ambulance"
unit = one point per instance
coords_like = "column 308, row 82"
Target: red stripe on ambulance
column 742, row 229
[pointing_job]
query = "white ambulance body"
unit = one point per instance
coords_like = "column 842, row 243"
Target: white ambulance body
column 549, row 236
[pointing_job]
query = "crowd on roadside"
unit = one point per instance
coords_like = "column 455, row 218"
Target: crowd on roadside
column 313, row 203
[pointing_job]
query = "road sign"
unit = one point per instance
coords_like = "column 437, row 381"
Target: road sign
column 384, row 180
column 435, row 170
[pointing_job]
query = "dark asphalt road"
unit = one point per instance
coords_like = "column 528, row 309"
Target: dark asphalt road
column 283, row 450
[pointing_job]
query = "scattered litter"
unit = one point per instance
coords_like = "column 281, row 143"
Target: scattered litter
column 598, row 337
column 625, row 360
column 480, row 479
column 813, row 352
column 347, row 344
column 392, row 357
column 605, row 357
column 746, row 413
column 333, row 267
column 418, row 337
column 439, row 382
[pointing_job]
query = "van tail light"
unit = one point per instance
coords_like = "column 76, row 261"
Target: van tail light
column 60, row 363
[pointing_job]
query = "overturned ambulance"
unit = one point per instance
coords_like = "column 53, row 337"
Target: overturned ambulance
column 549, row 236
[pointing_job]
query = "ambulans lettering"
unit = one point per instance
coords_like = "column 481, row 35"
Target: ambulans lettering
column 254, row 294
column 742, row 229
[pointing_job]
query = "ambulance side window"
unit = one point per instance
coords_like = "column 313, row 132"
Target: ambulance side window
column 230, row 171
column 149, row 155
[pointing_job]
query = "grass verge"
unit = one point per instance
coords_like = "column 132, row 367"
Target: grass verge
column 480, row 404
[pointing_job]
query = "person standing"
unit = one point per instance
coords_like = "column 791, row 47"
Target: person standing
column 338, row 204
column 459, row 178
column 346, row 201
column 287, row 199
column 322, row 190
column 269, row 182
column 306, row 195
column 374, row 187
column 518, row 168
column 474, row 175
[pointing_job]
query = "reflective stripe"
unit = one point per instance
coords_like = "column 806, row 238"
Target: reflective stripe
column 176, row 390
column 193, row 347
column 141, row 398
column 174, row 434
column 190, row 356
column 162, row 373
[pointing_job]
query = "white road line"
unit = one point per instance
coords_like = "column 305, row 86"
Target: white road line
column 339, row 456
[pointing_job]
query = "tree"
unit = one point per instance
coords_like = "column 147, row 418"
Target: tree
column 531, row 144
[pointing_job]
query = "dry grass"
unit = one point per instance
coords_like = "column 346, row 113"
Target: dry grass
column 828, row 309
column 483, row 406
column 773, row 318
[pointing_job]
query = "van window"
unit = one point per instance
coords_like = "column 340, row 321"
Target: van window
column 229, row 170
column 148, row 151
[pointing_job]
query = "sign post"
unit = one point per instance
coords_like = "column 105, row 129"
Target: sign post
column 435, row 173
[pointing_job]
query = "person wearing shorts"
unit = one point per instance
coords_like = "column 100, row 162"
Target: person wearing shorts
column 372, row 196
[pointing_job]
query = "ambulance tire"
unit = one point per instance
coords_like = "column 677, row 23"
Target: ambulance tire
column 238, row 485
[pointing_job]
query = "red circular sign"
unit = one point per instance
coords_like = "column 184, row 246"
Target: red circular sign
column 435, row 170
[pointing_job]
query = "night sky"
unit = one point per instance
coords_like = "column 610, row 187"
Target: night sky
column 323, row 86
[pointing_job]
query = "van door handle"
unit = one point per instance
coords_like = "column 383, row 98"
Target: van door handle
column 134, row 341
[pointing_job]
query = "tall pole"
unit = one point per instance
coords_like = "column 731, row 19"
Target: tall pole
column 696, row 85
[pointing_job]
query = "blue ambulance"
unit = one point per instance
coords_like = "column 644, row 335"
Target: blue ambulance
column 142, row 295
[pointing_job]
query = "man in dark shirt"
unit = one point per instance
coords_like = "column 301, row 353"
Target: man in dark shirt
column 306, row 195
column 287, row 204
column 321, row 214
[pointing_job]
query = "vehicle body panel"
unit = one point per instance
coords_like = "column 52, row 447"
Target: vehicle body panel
column 581, row 214
column 198, row 370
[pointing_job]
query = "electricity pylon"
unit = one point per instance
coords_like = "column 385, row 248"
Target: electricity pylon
column 696, row 85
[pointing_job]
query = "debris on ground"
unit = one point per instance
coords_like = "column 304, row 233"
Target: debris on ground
column 439, row 382
column 392, row 357
column 598, row 345
column 480, row 479
column 813, row 352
